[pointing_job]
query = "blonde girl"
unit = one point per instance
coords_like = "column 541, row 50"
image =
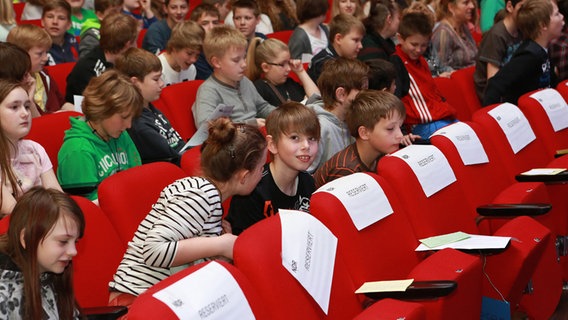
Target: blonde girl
column 268, row 66
column 351, row 7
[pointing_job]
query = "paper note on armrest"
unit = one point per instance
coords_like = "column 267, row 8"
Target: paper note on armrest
column 437, row 241
column 473, row 242
column 543, row 171
column 385, row 286
column 203, row 132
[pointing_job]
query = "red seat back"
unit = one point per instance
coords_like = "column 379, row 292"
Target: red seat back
column 464, row 80
column 283, row 36
column 176, row 101
column 454, row 95
column 59, row 73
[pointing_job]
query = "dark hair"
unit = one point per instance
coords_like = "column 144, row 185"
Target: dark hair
column 380, row 10
column 138, row 63
column 413, row 23
column 34, row 216
column 57, row 4
column 246, row 4
column 204, row 8
column 346, row 73
column 19, row 65
column 270, row 7
column 381, row 73
column 290, row 117
column 117, row 30
column 309, row 9
column 229, row 148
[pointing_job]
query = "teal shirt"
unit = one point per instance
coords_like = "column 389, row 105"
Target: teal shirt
column 77, row 24
column 85, row 160
column 489, row 9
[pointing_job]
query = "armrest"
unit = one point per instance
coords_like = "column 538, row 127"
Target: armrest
column 105, row 313
column 560, row 153
column 419, row 290
column 560, row 177
column 514, row 209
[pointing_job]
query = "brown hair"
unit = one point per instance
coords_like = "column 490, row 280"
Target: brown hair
column 102, row 5
column 7, row 14
column 229, row 148
column 292, row 116
column 204, row 9
column 269, row 7
column 57, row 4
column 19, row 65
column 310, row 9
column 33, row 218
column 261, row 51
column 380, row 10
column 220, row 39
column 138, row 63
column 381, row 73
column 532, row 16
column 117, row 31
column 341, row 72
column 27, row 36
column 369, row 107
column 246, row 4
column 188, row 34
column 343, row 24
column 109, row 94
column 413, row 23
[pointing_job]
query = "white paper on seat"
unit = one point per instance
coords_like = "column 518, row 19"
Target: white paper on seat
column 209, row 293
column 471, row 243
column 203, row 131
column 362, row 197
column 429, row 165
column 308, row 253
column 555, row 107
column 77, row 102
column 466, row 142
column 514, row 124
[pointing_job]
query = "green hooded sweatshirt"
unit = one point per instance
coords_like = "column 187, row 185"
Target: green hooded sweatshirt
column 85, row 159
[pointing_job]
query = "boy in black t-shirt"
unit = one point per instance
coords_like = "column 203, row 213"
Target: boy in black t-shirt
column 293, row 133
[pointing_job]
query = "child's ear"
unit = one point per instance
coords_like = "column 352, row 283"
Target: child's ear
column 264, row 66
column 271, row 144
column 363, row 133
column 337, row 38
column 340, row 94
column 22, row 235
column 135, row 81
column 215, row 62
column 399, row 38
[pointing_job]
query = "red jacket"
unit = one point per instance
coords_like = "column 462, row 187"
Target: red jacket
column 424, row 103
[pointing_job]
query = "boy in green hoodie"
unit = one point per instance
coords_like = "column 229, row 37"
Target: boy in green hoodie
column 97, row 145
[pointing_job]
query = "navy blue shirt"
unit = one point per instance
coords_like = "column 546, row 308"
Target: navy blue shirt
column 68, row 52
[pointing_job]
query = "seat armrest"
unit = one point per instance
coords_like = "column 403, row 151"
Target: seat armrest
column 105, row 312
column 560, row 153
column 513, row 209
column 419, row 290
column 559, row 177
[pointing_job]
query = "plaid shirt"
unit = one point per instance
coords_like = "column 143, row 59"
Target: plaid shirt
column 558, row 52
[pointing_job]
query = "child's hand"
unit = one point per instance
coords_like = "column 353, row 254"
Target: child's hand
column 146, row 6
column 260, row 122
column 409, row 138
column 227, row 228
column 297, row 66
column 29, row 83
column 446, row 74
column 228, row 242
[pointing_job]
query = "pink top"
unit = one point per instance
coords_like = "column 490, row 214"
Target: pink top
column 30, row 163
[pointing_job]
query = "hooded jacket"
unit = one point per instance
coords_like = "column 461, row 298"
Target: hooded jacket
column 85, row 160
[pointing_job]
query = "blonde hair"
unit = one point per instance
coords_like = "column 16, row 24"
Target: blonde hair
column 358, row 9
column 7, row 14
column 109, row 94
column 27, row 36
column 259, row 52
column 188, row 34
column 220, row 39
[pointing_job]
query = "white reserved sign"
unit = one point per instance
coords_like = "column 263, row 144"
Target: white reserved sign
column 555, row 107
column 209, row 293
column 466, row 141
column 429, row 165
column 362, row 197
column 514, row 124
column 308, row 253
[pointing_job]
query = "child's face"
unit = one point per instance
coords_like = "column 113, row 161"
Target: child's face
column 176, row 11
column 231, row 66
column 253, row 177
column 151, row 87
column 556, row 23
column 385, row 137
column 245, row 21
column 57, row 249
column 277, row 69
column 208, row 22
column 184, row 58
column 414, row 45
column 348, row 45
column 38, row 57
column 76, row 4
column 224, row 9
column 347, row 6
column 130, row 4
column 462, row 10
column 295, row 150
column 55, row 22
column 392, row 23
column 15, row 115
column 115, row 125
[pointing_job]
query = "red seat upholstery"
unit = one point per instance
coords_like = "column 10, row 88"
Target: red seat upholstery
column 18, row 10
column 464, row 80
column 35, row 22
column 455, row 97
column 384, row 250
column 447, row 211
column 59, row 73
column 146, row 306
column 49, row 131
column 176, row 101
column 140, row 38
column 562, row 87
column 127, row 196
column 99, row 253
column 283, row 36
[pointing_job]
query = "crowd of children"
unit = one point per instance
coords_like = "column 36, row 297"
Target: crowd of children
column 340, row 93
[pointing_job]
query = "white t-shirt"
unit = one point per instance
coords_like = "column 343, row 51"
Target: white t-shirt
column 170, row 76
column 318, row 44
